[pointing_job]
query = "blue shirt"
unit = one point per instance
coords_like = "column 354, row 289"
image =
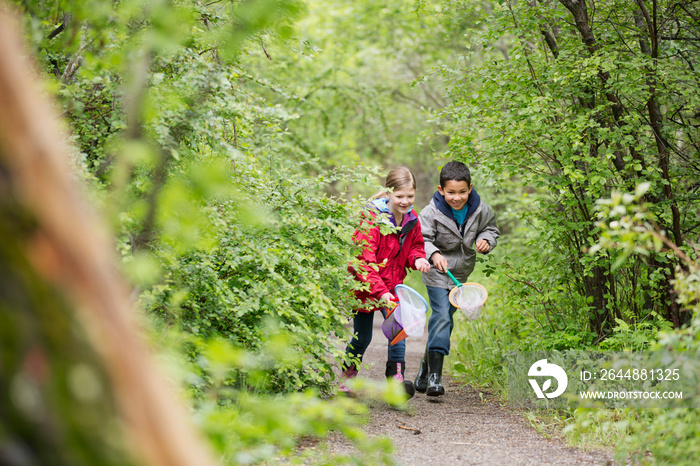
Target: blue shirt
column 460, row 215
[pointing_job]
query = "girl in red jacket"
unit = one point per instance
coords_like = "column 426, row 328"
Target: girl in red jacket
column 386, row 258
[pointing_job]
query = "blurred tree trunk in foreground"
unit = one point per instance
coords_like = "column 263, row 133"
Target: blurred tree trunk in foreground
column 77, row 384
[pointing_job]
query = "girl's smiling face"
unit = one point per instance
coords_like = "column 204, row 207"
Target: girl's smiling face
column 401, row 201
column 456, row 193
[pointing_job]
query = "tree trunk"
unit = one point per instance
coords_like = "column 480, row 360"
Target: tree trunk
column 646, row 21
column 77, row 383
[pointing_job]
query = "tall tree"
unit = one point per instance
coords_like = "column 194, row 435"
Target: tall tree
column 589, row 99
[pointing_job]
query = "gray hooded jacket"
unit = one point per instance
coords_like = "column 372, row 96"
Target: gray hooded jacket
column 455, row 242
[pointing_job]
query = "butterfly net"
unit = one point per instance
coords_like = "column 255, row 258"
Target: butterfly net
column 469, row 298
column 411, row 310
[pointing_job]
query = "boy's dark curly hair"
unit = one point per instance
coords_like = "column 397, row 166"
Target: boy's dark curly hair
column 456, row 171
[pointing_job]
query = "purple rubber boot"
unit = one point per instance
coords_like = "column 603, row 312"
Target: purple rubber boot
column 395, row 369
column 347, row 374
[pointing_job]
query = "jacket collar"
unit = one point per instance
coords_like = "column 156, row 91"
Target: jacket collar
column 381, row 205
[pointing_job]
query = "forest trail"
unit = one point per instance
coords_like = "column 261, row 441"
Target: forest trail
column 459, row 429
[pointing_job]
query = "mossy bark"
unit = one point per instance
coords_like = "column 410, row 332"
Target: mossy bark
column 77, row 382
column 56, row 404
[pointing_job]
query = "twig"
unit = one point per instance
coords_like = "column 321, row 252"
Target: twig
column 414, row 430
column 75, row 62
column 66, row 19
column 56, row 31
column 265, row 50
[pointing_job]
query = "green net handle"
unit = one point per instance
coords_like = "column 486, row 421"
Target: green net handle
column 449, row 274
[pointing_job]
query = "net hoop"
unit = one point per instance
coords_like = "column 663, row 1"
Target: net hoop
column 407, row 319
column 413, row 321
column 473, row 311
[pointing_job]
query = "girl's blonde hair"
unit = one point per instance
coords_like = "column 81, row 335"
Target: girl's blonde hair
column 398, row 178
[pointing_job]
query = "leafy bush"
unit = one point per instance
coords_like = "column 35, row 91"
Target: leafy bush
column 290, row 268
column 628, row 228
column 248, row 426
column 671, row 435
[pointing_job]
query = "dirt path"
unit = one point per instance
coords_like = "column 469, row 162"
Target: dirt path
column 460, row 428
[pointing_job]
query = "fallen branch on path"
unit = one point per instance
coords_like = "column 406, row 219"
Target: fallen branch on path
column 414, row 430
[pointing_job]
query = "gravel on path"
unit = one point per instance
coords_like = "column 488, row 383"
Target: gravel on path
column 459, row 428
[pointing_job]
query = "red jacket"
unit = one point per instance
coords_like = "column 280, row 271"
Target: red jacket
column 396, row 251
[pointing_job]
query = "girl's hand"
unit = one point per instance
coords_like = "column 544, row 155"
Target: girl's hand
column 439, row 262
column 422, row 265
column 482, row 246
column 387, row 297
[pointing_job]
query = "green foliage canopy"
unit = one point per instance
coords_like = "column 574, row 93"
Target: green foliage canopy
column 579, row 104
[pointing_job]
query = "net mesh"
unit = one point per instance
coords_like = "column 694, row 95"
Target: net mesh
column 470, row 299
column 411, row 311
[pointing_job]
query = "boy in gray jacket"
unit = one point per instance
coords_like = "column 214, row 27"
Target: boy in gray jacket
column 455, row 226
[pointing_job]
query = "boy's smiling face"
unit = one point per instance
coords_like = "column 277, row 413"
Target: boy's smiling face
column 456, row 193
